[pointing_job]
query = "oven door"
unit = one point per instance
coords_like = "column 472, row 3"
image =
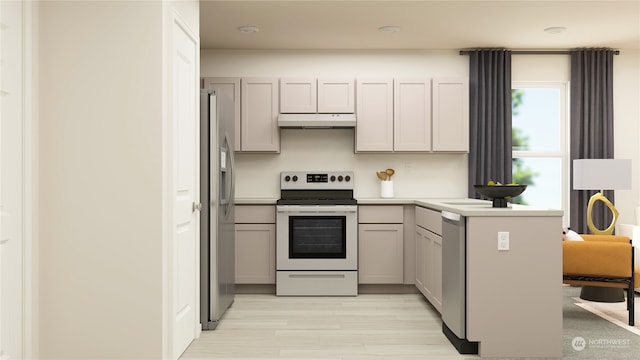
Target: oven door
column 317, row 237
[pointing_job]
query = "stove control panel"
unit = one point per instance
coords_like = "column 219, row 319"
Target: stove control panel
column 316, row 180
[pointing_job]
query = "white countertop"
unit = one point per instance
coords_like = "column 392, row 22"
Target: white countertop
column 256, row 201
column 462, row 206
column 467, row 207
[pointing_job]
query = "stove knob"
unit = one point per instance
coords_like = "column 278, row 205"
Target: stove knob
column 347, row 178
column 333, row 178
column 295, row 177
column 287, row 178
column 340, row 178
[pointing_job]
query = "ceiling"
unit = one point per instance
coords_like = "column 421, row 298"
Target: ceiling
column 453, row 24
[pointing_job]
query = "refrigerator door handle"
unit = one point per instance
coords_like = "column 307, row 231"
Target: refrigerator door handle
column 230, row 195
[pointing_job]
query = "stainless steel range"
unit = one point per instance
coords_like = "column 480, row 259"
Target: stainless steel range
column 317, row 234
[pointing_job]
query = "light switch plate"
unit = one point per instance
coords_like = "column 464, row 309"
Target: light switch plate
column 503, row 240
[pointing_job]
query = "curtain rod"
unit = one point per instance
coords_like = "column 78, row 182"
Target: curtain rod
column 536, row 52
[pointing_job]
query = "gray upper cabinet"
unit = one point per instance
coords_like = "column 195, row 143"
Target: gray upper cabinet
column 336, row 96
column 298, row 95
column 230, row 87
column 374, row 111
column 412, row 115
column 259, row 117
column 450, row 114
column 311, row 95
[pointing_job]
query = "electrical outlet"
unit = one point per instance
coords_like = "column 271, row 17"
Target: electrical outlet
column 503, row 240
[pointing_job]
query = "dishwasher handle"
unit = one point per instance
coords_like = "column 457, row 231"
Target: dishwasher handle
column 451, row 216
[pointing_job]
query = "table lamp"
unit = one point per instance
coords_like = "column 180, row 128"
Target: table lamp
column 601, row 174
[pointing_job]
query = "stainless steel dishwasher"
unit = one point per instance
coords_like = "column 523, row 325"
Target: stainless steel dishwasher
column 454, row 283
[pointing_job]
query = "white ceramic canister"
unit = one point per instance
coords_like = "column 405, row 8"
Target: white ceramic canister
column 386, row 189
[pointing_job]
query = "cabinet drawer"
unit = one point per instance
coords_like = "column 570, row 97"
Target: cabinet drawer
column 255, row 214
column 380, row 214
column 429, row 219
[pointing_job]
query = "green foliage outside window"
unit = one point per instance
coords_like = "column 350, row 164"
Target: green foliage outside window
column 520, row 173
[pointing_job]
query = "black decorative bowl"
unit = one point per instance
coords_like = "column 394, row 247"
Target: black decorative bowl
column 500, row 193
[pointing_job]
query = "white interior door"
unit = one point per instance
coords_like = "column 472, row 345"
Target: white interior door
column 11, row 181
column 185, row 120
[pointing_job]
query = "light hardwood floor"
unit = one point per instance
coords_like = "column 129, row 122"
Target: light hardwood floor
column 394, row 326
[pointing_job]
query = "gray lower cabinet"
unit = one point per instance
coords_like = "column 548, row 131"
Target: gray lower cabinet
column 429, row 255
column 255, row 244
column 380, row 244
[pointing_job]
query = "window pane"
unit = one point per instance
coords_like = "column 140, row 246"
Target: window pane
column 536, row 119
column 543, row 179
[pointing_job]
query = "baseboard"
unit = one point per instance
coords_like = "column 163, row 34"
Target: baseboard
column 270, row 289
column 263, row 289
column 387, row 289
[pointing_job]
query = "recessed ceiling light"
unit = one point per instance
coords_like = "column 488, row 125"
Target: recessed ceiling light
column 555, row 29
column 248, row 29
column 389, row 29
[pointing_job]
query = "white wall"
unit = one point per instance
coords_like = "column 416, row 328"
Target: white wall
column 101, row 97
column 418, row 175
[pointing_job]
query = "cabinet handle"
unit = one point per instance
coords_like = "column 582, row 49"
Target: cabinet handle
column 316, row 276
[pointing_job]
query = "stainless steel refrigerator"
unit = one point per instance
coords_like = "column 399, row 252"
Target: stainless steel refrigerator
column 217, row 221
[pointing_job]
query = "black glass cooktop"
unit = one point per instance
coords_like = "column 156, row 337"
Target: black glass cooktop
column 316, row 197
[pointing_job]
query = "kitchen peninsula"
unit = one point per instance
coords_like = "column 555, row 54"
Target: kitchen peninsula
column 513, row 296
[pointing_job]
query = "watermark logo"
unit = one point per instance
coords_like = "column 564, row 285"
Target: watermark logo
column 578, row 343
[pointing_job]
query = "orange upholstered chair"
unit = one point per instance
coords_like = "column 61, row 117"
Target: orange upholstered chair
column 601, row 260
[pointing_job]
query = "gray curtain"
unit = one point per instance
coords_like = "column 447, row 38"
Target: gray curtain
column 489, row 117
column 591, row 126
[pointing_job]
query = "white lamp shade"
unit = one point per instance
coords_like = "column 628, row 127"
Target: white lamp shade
column 602, row 174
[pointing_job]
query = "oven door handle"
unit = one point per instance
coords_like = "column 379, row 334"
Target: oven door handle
column 349, row 210
column 314, row 212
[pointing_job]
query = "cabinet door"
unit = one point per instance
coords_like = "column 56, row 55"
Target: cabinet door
column 412, row 115
column 436, row 272
column 421, row 261
column 260, row 115
column 380, row 214
column 381, row 254
column 429, row 219
column 255, row 214
column 336, row 96
column 428, row 265
column 298, row 95
column 374, row 128
column 230, row 87
column 255, row 253
column 450, row 114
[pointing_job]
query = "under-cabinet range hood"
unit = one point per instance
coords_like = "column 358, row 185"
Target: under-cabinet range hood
column 319, row 121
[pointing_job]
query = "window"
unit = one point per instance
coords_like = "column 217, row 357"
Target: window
column 540, row 146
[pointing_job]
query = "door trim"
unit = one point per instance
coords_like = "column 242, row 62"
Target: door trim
column 29, row 161
column 30, row 178
column 173, row 18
